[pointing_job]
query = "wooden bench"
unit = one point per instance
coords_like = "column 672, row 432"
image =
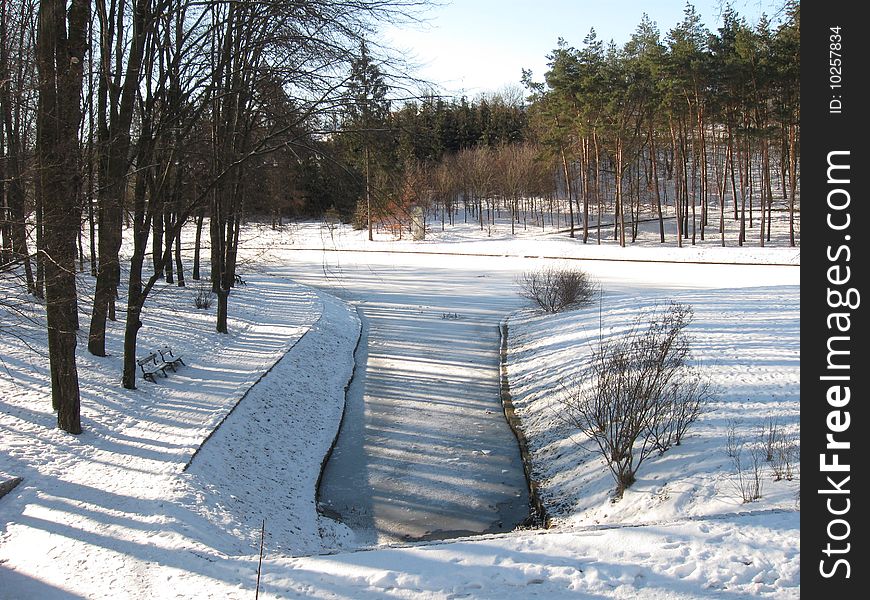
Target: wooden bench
column 169, row 359
column 151, row 365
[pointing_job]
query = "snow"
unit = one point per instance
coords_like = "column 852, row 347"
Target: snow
column 466, row 237
column 263, row 433
column 746, row 340
column 113, row 512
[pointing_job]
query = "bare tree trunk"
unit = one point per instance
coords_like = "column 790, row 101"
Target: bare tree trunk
column 157, row 239
column 688, row 197
column 368, row 196
column 620, row 204
column 764, row 197
column 5, row 219
column 655, row 182
column 39, row 292
column 635, row 229
column 750, row 179
column 568, row 188
column 586, row 161
column 702, row 140
column 678, row 184
column 597, row 171
column 135, row 296
column 769, row 187
column 722, row 190
column 743, row 184
column 15, row 195
column 167, row 241
column 734, row 161
column 179, row 265
column 693, row 197
column 200, row 217
column 792, row 180
column 60, row 58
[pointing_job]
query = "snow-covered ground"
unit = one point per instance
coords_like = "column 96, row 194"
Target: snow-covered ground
column 746, row 343
column 466, row 237
column 112, row 513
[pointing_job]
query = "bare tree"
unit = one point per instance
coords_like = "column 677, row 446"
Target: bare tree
column 118, row 87
column 208, row 87
column 60, row 50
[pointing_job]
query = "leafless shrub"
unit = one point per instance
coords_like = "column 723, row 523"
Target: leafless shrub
column 769, row 445
column 733, row 441
column 554, row 289
column 748, row 465
column 681, row 406
column 769, row 435
column 785, row 451
column 203, row 297
column 639, row 393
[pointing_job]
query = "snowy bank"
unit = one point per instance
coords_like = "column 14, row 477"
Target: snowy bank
column 466, row 239
column 109, row 512
column 746, row 343
column 264, row 461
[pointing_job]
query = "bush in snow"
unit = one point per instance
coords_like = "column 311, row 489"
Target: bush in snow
column 770, row 445
column 556, row 289
column 785, row 454
column 769, row 435
column 748, row 469
column 639, row 394
column 203, row 297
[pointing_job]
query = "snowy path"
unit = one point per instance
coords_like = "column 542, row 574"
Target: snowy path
column 425, row 452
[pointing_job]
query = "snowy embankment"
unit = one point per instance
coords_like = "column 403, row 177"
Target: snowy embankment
column 746, row 557
column 466, row 238
column 264, row 461
column 746, row 342
column 109, row 513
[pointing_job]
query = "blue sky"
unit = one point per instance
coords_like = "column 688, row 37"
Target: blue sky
column 473, row 46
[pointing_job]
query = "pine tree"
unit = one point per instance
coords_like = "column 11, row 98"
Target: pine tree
column 368, row 122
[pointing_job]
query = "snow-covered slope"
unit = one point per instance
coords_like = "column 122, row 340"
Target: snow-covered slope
column 746, row 344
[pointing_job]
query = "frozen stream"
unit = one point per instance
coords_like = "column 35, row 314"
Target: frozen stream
column 424, row 451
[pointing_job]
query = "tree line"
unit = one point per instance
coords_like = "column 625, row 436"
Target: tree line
column 698, row 114
column 706, row 123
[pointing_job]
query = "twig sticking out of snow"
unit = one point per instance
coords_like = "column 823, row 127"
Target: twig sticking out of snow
column 260, row 563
